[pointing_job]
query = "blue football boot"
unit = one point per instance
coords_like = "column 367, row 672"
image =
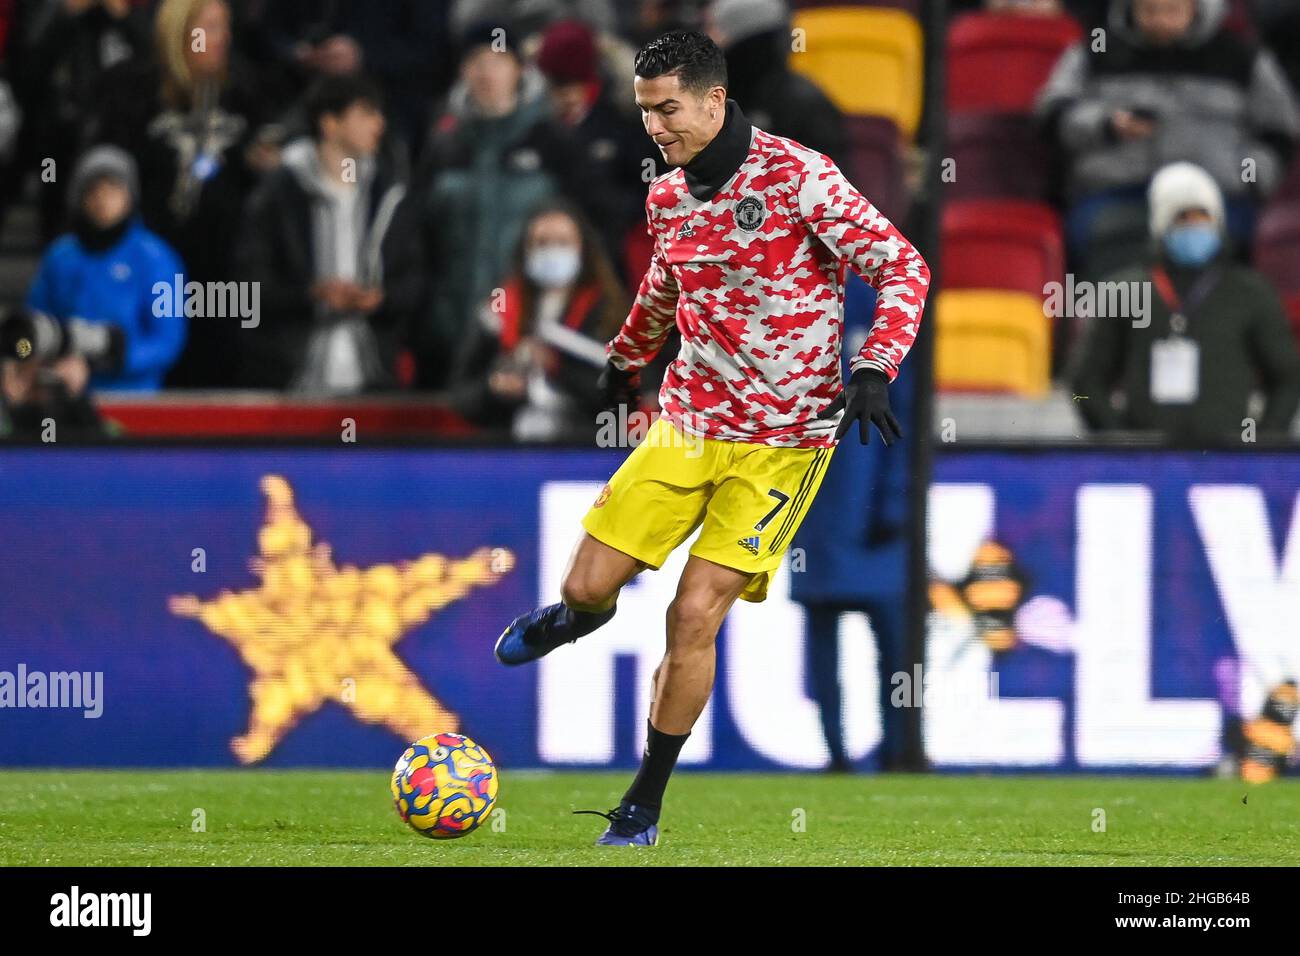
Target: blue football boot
column 539, row 632
column 629, row 825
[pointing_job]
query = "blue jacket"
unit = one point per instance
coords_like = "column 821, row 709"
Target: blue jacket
column 116, row 286
column 854, row 537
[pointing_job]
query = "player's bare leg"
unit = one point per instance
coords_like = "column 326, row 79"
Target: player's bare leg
column 682, row 684
column 595, row 574
column 589, row 591
column 684, row 678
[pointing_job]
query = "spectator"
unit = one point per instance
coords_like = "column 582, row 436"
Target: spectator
column 188, row 117
column 533, row 16
column 534, row 362
column 58, row 61
column 656, row 17
column 34, row 395
column 330, row 237
column 1279, row 26
column 616, row 148
column 102, row 277
column 1188, row 368
column 493, row 156
column 1170, row 84
column 404, row 45
column 755, row 36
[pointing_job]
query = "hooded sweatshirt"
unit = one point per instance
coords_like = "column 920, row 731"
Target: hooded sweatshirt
column 302, row 227
column 342, row 354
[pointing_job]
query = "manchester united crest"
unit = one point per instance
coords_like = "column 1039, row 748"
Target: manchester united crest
column 750, row 213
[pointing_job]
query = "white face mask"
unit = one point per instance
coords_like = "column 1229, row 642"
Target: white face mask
column 553, row 266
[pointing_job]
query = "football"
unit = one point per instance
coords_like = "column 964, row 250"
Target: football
column 444, row 786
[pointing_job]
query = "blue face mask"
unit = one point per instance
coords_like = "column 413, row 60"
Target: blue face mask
column 1192, row 246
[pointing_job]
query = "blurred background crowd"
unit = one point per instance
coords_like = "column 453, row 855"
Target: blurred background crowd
column 445, row 198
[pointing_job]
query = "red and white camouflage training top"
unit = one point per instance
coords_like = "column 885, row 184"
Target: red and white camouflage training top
column 754, row 279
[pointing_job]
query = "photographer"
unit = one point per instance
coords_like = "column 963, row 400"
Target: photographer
column 34, row 394
column 92, row 301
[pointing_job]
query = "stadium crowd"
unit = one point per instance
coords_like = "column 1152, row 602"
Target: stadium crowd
column 449, row 196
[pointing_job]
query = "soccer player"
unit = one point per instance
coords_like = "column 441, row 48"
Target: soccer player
column 752, row 236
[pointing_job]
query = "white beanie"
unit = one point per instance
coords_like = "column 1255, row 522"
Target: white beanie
column 1177, row 188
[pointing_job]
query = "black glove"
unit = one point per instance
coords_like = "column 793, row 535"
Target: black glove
column 865, row 399
column 619, row 387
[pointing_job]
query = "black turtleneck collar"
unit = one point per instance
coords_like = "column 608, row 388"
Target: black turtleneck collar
column 718, row 161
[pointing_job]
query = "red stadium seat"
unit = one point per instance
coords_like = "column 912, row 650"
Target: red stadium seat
column 999, row 62
column 1277, row 246
column 997, row 155
column 1002, row 244
column 875, row 163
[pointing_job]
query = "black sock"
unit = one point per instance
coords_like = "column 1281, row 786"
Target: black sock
column 657, row 764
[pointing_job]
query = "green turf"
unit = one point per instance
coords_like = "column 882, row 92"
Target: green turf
column 261, row 817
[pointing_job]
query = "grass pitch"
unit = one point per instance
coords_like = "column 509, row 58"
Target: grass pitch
column 307, row 818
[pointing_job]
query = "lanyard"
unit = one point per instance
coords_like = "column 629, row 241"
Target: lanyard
column 1180, row 309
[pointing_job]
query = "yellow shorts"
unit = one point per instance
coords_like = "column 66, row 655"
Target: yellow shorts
column 750, row 498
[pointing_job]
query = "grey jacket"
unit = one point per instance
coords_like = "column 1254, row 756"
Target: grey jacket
column 1217, row 101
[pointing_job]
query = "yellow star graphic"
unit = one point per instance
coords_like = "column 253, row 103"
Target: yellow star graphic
column 315, row 632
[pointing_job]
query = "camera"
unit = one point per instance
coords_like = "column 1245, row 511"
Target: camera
column 27, row 335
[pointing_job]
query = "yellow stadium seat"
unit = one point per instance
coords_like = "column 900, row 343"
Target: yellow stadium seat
column 868, row 61
column 992, row 341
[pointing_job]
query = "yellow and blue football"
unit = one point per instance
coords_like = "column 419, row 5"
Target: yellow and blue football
column 444, row 786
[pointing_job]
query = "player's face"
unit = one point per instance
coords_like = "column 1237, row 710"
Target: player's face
column 680, row 122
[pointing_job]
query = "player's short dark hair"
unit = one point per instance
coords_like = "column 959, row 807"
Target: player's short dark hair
column 696, row 60
column 334, row 95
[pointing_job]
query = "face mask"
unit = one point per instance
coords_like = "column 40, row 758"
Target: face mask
column 1192, row 246
column 553, row 266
